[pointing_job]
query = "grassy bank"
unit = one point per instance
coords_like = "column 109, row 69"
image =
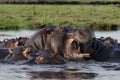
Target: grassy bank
column 35, row 16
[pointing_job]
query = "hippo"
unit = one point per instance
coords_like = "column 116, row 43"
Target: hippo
column 44, row 57
column 16, row 54
column 58, row 41
column 40, row 39
column 9, row 43
column 108, row 40
column 69, row 38
column 22, row 40
column 101, row 52
column 23, row 55
column 72, row 46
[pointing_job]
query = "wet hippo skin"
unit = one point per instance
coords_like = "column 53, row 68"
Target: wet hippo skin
column 10, row 43
column 108, row 40
column 59, row 40
column 44, row 57
column 101, row 52
column 48, row 57
column 72, row 46
column 22, row 40
column 40, row 39
column 15, row 55
column 4, row 52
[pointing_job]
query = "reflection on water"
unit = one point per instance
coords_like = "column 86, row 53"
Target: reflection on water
column 88, row 70
column 61, row 75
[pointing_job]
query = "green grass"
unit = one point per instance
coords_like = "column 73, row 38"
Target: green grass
column 32, row 16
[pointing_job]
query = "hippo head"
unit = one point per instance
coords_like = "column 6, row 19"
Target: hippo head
column 82, row 35
column 22, row 40
column 16, row 54
column 73, row 42
column 11, row 43
column 110, row 41
column 73, row 51
column 48, row 57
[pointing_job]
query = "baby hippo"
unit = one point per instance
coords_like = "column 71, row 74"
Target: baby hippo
column 44, row 57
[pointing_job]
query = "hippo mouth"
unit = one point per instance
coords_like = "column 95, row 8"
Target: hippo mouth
column 78, row 48
column 73, row 51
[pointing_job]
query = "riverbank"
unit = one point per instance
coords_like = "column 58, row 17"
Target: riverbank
column 98, row 17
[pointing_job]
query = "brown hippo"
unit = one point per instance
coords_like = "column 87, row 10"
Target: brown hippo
column 22, row 55
column 16, row 54
column 58, row 41
column 82, row 35
column 9, row 43
column 22, row 40
column 69, row 39
column 44, row 57
column 72, row 46
column 100, row 51
column 108, row 40
column 40, row 39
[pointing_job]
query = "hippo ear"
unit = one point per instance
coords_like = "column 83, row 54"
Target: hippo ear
column 5, row 40
column 49, row 31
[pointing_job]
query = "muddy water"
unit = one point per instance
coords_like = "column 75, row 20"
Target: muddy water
column 86, row 70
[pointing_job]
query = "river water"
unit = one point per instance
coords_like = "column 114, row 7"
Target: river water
column 85, row 70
